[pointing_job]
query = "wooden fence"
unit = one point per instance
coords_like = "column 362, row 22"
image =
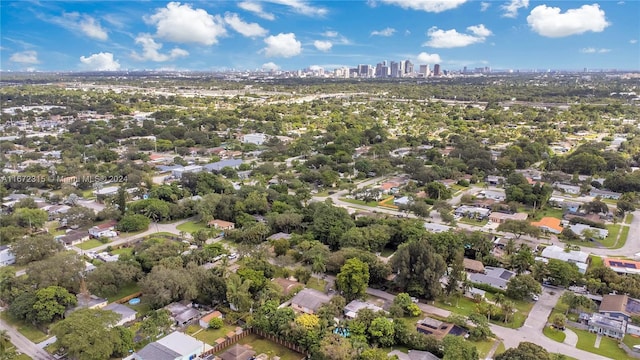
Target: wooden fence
column 127, row 298
column 232, row 340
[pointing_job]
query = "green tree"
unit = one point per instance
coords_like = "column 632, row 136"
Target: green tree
column 562, row 273
column 525, row 351
column 382, row 331
column 133, row 223
column 35, row 248
column 78, row 216
column 419, row 269
column 522, row 286
column 51, row 303
column 107, row 279
column 558, row 320
column 456, row 348
column 166, row 284
column 519, row 228
column 89, row 334
column 238, row 294
column 353, row 279
column 30, row 218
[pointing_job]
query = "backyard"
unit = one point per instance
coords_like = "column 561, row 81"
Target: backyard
column 126, row 290
column 209, row 336
column 465, row 306
column 318, row 284
column 191, row 227
column 264, row 346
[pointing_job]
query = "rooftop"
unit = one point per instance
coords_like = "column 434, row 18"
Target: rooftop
column 310, row 299
column 549, row 222
column 559, row 253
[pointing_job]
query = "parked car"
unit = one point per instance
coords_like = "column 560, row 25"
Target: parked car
column 414, row 300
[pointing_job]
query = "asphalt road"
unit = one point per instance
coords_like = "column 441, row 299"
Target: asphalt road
column 25, row 345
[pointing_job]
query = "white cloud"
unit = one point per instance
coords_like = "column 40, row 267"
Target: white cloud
column 25, row 57
column 184, row 24
column 484, row 6
column 246, row 29
column 330, row 33
column 592, row 50
column 100, row 62
column 151, row 50
column 270, row 66
column 384, row 32
column 302, row 7
column 282, row 45
column 426, row 58
column 511, row 8
column 84, row 23
column 452, row 38
column 323, row 45
column 434, row 6
column 550, row 22
column 315, row 68
column 633, row 41
column 256, row 8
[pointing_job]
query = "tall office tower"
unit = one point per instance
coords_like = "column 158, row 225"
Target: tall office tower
column 424, row 70
column 395, row 69
column 363, row 71
column 436, row 70
column 378, row 72
column 408, row 67
column 464, row 70
column 385, row 72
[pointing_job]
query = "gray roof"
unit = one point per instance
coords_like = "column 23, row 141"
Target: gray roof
column 413, row 355
column 217, row 166
column 310, row 299
column 187, row 315
column 181, row 343
column 279, row 235
column 121, row 310
column 496, row 277
column 353, row 307
column 155, row 351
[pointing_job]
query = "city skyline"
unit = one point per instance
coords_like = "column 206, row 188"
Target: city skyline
column 298, row 34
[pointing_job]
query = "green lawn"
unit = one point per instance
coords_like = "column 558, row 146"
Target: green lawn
column 483, row 347
column 89, row 244
column 191, row 227
column 628, row 219
column 596, row 261
column 315, row 283
column 608, row 347
column 125, row 291
column 360, row 202
column 264, row 346
column 465, row 220
column 631, row 341
column 623, row 237
column 29, row 331
column 123, row 251
column 613, row 235
column 548, row 212
column 501, row 348
column 554, row 334
column 209, row 336
column 466, row 307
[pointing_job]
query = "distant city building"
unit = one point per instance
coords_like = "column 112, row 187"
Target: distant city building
column 255, row 138
column 408, row 67
column 424, row 70
column 436, row 70
column 395, row 69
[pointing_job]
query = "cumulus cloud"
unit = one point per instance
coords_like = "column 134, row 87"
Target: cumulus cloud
column 83, row 23
column 251, row 30
column 592, row 50
column 511, row 8
column 323, row 45
column 302, row 7
column 484, row 6
column 384, row 32
column 25, row 57
column 271, row 66
column 151, row 50
column 550, row 22
column 184, row 24
column 282, row 45
column 439, row 38
column 103, row 61
column 256, row 8
column 434, row 6
column 427, row 58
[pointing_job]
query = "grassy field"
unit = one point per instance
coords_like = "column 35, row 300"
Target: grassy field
column 191, row 226
column 623, row 237
column 475, row 222
column 596, row 261
column 125, row 291
column 631, row 341
column 264, row 346
column 89, row 244
column 123, row 251
column 613, row 235
column 483, row 347
column 315, row 283
column 608, row 347
column 29, row 331
column 628, row 219
column 209, row 336
column 360, row 202
column 467, row 307
column 548, row 212
column 554, row 334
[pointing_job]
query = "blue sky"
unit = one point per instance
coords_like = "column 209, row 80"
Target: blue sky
column 295, row 34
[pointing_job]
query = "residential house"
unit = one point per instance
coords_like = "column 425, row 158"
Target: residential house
column 55, row 211
column 622, row 266
column 439, row 329
column 413, row 355
column 238, row 352
column 73, row 237
column 403, row 201
column 567, row 188
column 436, row 228
column 255, row 138
column 126, row 314
column 352, row 308
column 620, row 307
column 309, row 301
column 500, row 217
column 217, row 166
column 569, row 206
column 471, row 293
column 221, row 224
column 603, row 325
column 598, row 233
column 493, row 180
column 580, row 258
column 472, row 212
column 106, row 191
column 104, row 230
column 549, row 224
column 497, row 195
column 89, row 301
column 605, row 194
column 204, row 321
column 177, row 173
column 493, row 276
column 7, row 257
column 473, row 266
column 175, row 346
column 182, row 312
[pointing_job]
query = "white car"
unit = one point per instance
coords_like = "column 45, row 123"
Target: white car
column 414, row 300
column 534, row 297
column 232, row 256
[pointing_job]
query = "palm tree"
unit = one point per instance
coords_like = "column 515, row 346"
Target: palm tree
column 507, row 307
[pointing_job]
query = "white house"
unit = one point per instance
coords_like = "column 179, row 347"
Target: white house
column 255, row 138
column 175, row 346
column 126, row 314
column 6, row 256
column 597, row 232
column 567, row 188
column 580, row 258
column 177, row 173
column 497, row 195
